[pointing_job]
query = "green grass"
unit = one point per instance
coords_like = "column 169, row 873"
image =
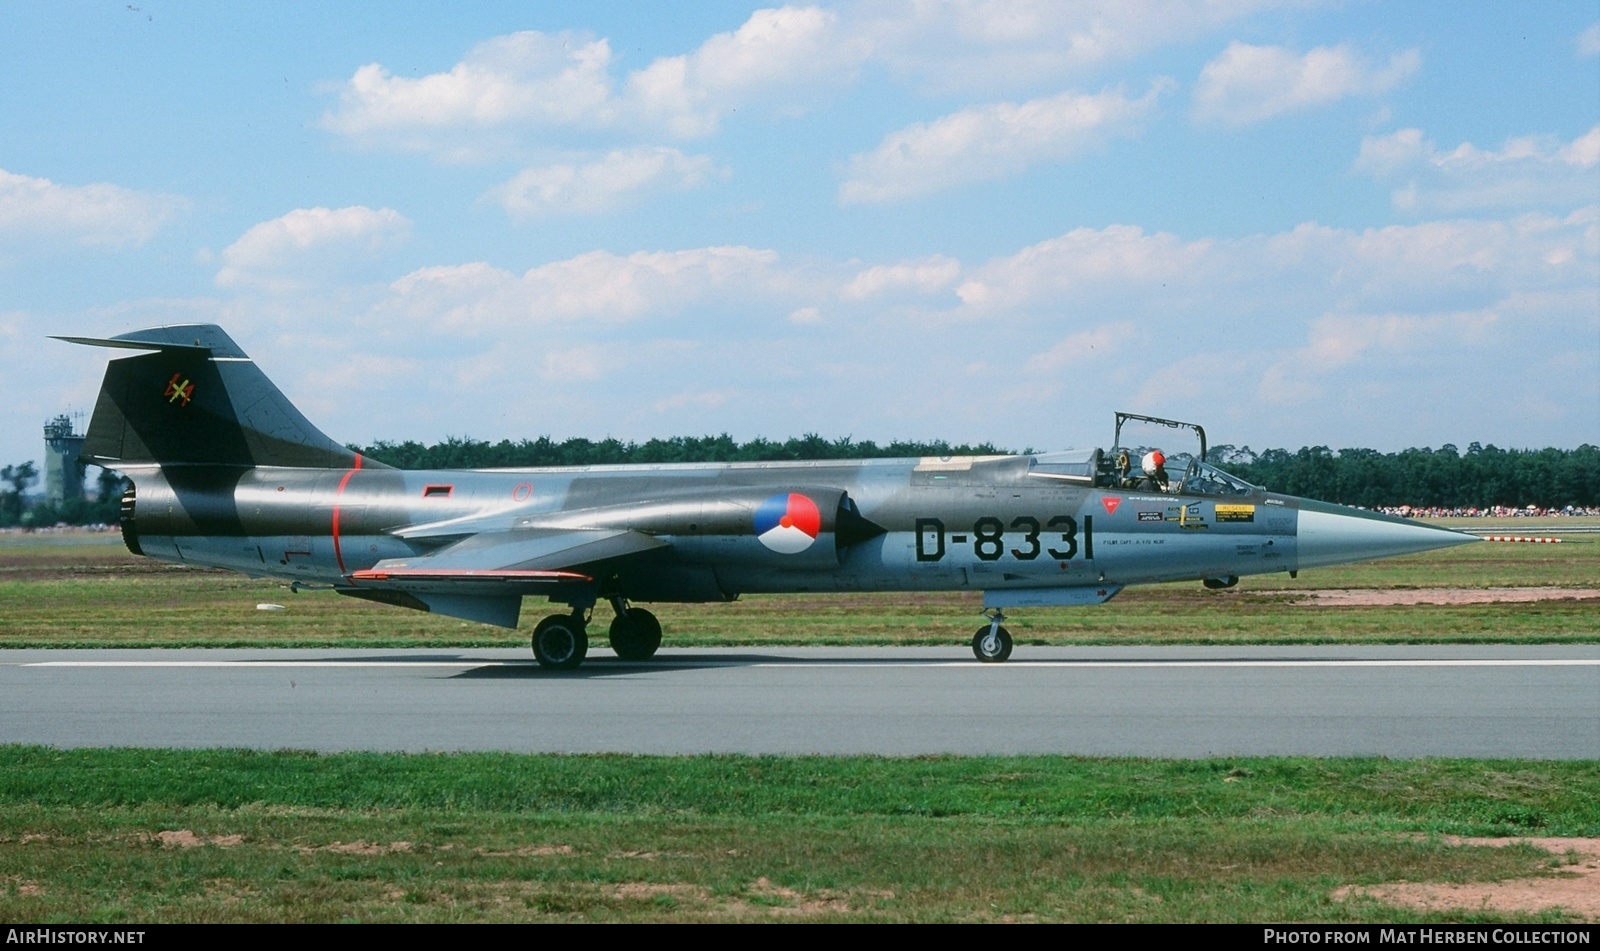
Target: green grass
column 70, row 592
column 123, row 835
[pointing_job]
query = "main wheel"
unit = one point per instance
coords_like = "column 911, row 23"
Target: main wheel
column 992, row 649
column 559, row 642
column 635, row 635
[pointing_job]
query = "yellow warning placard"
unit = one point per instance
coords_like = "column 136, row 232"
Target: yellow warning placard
column 1236, row 513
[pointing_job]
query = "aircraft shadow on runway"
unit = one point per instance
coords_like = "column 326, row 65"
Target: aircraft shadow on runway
column 598, row 667
column 603, row 666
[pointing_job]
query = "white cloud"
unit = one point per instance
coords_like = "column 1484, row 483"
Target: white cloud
column 524, row 79
column 1340, row 339
column 927, row 276
column 598, row 285
column 966, row 45
column 1386, row 154
column 1393, row 340
column 784, row 58
column 359, row 369
column 1038, row 347
column 98, row 214
column 507, row 88
column 696, row 399
column 1087, row 288
column 1529, row 171
column 1248, row 84
column 989, row 142
column 1432, row 265
column 600, row 184
column 1086, row 264
column 1584, row 151
column 1331, row 320
column 310, row 244
column 1077, row 349
column 1589, row 41
column 584, row 362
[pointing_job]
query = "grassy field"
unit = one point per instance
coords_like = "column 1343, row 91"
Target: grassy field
column 127, row 836
column 87, row 591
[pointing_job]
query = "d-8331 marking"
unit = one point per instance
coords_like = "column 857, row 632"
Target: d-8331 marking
column 1057, row 536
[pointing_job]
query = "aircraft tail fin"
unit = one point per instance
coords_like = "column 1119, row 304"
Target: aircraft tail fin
column 196, row 398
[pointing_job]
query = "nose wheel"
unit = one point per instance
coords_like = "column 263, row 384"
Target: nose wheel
column 992, row 644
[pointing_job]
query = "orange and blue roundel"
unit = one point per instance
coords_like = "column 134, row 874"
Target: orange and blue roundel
column 788, row 524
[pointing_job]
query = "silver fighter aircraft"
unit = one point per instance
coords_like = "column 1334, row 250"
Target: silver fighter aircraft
column 228, row 473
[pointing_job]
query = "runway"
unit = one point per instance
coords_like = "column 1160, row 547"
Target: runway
column 1482, row 701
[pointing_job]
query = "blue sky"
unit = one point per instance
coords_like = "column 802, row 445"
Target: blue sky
column 1342, row 224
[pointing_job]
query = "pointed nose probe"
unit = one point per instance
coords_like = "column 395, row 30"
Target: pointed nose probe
column 1334, row 535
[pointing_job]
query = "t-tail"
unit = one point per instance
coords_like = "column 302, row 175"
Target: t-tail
column 196, row 399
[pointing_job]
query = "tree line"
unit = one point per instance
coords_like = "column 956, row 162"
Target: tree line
column 15, row 509
column 1481, row 477
column 458, row 453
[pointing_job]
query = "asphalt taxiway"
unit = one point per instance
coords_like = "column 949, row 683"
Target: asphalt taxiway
column 1490, row 701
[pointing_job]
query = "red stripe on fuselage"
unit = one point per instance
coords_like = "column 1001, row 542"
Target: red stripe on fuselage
column 468, row 574
column 338, row 553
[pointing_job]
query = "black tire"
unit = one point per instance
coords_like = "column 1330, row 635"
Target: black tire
column 635, row 635
column 991, row 653
column 560, row 642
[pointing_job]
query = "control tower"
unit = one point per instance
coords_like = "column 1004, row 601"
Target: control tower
column 63, row 473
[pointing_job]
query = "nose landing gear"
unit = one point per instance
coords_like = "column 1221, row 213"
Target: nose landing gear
column 992, row 644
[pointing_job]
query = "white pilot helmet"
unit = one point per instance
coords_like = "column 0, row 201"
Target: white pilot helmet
column 1152, row 460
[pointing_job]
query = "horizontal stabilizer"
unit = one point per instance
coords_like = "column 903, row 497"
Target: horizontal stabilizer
column 117, row 344
column 183, row 337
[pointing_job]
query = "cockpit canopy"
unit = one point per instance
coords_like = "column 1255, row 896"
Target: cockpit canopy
column 1184, row 472
column 1072, row 465
column 1202, row 478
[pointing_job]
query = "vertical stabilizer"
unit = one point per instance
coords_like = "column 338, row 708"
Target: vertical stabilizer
column 196, row 398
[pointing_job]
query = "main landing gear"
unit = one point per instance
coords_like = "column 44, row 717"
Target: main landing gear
column 635, row 632
column 561, row 641
column 992, row 644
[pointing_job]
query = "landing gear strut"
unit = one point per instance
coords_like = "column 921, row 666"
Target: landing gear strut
column 992, row 644
column 635, row 632
column 560, row 641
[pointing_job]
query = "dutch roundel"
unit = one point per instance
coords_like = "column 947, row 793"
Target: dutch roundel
column 788, row 524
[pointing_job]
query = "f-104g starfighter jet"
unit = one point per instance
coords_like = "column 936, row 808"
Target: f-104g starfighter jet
column 227, row 473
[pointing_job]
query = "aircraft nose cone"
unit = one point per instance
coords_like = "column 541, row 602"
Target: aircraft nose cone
column 1333, row 535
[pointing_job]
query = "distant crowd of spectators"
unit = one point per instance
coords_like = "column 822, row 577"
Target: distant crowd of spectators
column 1493, row 511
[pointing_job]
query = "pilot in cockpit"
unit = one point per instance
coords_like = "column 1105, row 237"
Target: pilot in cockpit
column 1154, row 465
